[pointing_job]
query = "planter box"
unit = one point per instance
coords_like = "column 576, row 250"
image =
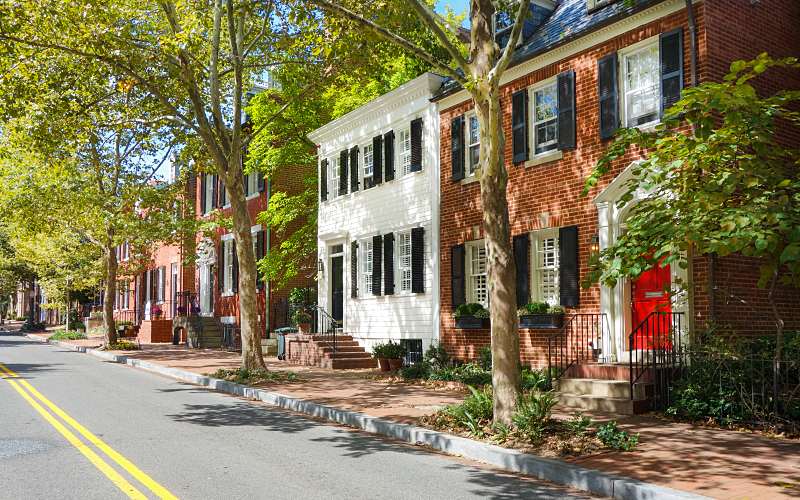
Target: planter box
column 471, row 323
column 541, row 321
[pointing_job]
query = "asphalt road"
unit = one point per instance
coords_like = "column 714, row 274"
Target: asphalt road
column 196, row 443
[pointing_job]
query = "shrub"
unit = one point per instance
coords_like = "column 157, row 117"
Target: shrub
column 301, row 316
column 389, row 350
column 437, row 357
column 533, row 308
column 534, row 410
column 68, row 335
column 476, row 409
column 96, row 315
column 615, row 438
column 123, row 345
column 256, row 376
column 485, row 358
column 421, row 370
column 533, row 380
column 471, row 309
column 578, row 424
column 301, row 297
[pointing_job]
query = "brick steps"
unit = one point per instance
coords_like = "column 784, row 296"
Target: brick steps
column 318, row 350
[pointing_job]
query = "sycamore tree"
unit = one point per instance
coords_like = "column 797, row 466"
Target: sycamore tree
column 195, row 62
column 725, row 184
column 478, row 66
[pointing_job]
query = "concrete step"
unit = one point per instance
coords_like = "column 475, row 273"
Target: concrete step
column 601, row 388
column 622, row 406
column 348, row 364
column 347, row 355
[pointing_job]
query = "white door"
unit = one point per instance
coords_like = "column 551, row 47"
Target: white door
column 206, row 302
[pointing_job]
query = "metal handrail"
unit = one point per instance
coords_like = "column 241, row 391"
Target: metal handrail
column 652, row 347
column 327, row 333
column 580, row 339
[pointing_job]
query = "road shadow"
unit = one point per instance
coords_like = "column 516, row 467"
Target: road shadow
column 241, row 413
column 25, row 369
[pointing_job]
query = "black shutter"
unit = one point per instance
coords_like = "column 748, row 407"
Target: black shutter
column 671, row 49
column 388, row 264
column 457, row 147
column 458, row 289
column 377, row 161
column 235, row 280
column 416, row 145
column 203, row 193
column 388, row 155
column 607, row 90
column 323, row 181
column 261, row 182
column 215, row 191
column 343, row 172
column 522, row 262
column 377, row 258
column 566, row 110
column 354, row 269
column 418, row 260
column 221, row 267
column 519, row 125
column 568, row 271
column 354, row 169
column 162, row 283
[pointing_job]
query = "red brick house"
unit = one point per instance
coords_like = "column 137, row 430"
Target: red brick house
column 584, row 68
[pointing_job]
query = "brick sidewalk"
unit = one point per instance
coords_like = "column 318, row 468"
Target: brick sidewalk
column 711, row 462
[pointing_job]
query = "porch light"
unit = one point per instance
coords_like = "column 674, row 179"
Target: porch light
column 320, row 266
column 595, row 245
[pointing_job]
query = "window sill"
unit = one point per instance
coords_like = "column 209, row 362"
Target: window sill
column 227, row 294
column 648, row 127
column 469, row 180
column 252, row 196
column 543, row 158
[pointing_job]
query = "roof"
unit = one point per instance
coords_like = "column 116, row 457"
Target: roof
column 571, row 19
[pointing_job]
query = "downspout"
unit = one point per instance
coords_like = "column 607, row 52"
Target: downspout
column 266, row 253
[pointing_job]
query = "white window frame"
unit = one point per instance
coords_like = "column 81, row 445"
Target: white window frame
column 540, row 269
column 404, row 275
column 625, row 54
column 251, row 185
column 404, row 151
column 552, row 146
column 367, row 262
column 469, row 144
column 333, row 177
column 476, row 281
column 209, row 195
column 227, row 262
column 368, row 166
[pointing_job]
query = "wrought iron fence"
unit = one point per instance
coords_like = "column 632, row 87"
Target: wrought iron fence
column 581, row 339
column 655, row 345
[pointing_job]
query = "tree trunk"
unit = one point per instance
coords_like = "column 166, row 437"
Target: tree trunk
column 110, row 292
column 252, row 356
column 501, row 270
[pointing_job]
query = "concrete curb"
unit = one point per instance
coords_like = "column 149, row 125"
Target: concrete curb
column 590, row 480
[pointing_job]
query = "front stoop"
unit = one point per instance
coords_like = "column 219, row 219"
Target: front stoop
column 602, row 388
column 317, row 350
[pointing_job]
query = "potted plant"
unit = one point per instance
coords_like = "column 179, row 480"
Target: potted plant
column 596, row 351
column 471, row 316
column 540, row 315
column 389, row 355
column 302, row 319
column 156, row 312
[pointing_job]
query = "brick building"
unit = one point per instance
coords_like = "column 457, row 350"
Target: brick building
column 584, row 68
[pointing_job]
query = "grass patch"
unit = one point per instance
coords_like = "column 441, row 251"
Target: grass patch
column 123, row 345
column 254, row 377
column 68, row 335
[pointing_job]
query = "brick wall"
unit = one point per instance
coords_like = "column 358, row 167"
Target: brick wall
column 550, row 192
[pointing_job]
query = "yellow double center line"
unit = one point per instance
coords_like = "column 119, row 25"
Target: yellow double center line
column 34, row 398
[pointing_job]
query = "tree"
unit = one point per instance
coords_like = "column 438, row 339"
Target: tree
column 478, row 67
column 725, row 184
column 194, row 62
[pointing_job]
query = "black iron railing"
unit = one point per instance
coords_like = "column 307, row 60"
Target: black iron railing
column 231, row 337
column 580, row 340
column 655, row 345
column 187, row 304
column 324, row 327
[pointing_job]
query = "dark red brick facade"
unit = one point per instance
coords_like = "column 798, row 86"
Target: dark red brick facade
column 554, row 188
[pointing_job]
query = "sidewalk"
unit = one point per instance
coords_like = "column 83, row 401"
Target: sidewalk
column 711, row 462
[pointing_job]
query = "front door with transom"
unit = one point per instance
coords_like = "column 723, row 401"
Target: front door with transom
column 337, row 287
column 650, row 295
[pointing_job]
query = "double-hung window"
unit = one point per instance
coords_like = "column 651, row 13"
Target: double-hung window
column 209, row 195
column 641, row 85
column 545, row 118
column 368, row 160
column 544, row 257
column 333, row 177
column 227, row 247
column 404, row 260
column 474, row 142
column 405, row 151
column 251, row 184
column 477, row 281
column 366, row 266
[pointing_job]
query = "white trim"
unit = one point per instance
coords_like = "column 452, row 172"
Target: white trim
column 549, row 82
column 226, row 236
column 622, row 80
column 577, row 46
column 546, row 157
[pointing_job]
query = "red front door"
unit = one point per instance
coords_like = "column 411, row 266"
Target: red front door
column 649, row 294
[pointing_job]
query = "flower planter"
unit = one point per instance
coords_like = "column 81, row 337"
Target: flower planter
column 395, row 364
column 304, row 327
column 470, row 322
column 383, row 364
column 541, row 321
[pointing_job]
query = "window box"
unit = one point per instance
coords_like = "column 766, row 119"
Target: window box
column 547, row 320
column 471, row 322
